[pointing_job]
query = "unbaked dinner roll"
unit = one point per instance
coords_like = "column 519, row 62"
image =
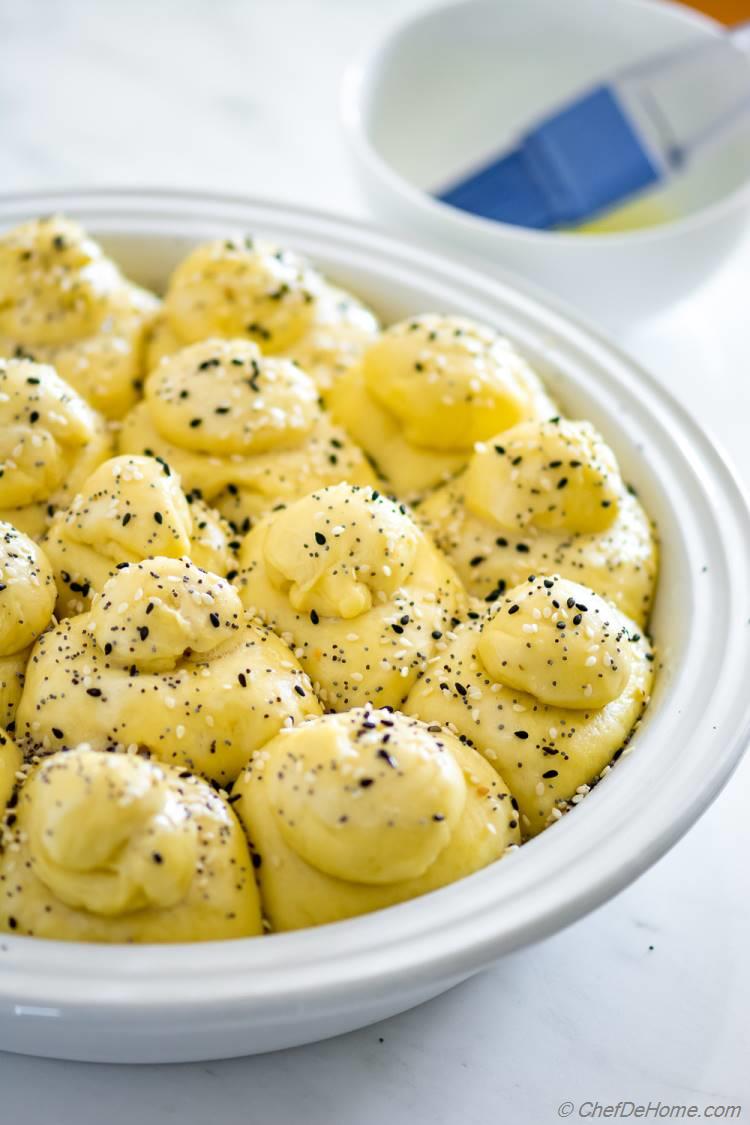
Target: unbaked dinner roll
column 27, row 601
column 546, row 498
column 548, row 686
column 131, row 508
column 250, row 289
column 63, row 302
column 244, row 431
column 353, row 812
column 426, row 391
column 114, row 848
column 50, row 440
column 165, row 661
column 361, row 593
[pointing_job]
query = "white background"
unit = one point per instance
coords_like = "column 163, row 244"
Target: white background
column 647, row 999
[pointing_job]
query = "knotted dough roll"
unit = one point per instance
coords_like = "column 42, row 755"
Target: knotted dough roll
column 548, row 686
column 250, row 289
column 131, row 508
column 50, row 440
column 546, row 498
column 27, row 601
column 63, row 302
column 352, row 812
column 244, row 431
column 114, row 848
column 361, row 593
column 426, row 391
column 166, row 661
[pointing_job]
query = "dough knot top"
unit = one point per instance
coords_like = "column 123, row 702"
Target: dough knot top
column 27, row 590
column 336, row 551
column 448, row 381
column 368, row 796
column 44, row 425
column 223, row 397
column 56, row 285
column 244, row 288
column 559, row 642
column 106, row 833
column 156, row 613
column 556, row 475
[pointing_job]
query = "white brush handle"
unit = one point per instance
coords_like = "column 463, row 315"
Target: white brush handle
column 660, row 95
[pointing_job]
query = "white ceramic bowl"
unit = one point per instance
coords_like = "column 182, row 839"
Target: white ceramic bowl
column 454, row 84
column 174, row 1003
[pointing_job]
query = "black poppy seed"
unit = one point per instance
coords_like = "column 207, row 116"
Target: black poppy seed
column 299, row 689
column 514, row 608
column 320, row 538
column 314, row 617
column 496, row 593
column 550, row 773
column 143, row 631
column 242, row 679
column 214, row 619
column 522, row 734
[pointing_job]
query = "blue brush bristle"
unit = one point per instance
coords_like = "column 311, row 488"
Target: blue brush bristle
column 573, row 165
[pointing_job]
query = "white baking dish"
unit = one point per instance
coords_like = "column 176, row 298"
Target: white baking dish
column 174, row 1003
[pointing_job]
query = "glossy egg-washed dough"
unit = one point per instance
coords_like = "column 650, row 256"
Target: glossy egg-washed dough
column 63, row 302
column 246, row 432
column 359, row 591
column 426, row 391
column 114, row 848
column 546, row 498
column 167, row 661
column 547, row 685
column 50, row 440
column 352, row 812
column 131, row 508
column 27, row 601
column 192, row 606
column 251, row 289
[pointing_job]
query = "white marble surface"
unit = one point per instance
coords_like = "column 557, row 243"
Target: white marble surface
column 648, row 998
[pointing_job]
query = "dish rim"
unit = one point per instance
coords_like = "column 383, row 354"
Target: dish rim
column 429, row 937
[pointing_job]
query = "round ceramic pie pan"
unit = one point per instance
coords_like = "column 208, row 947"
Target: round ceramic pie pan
column 214, row 1000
